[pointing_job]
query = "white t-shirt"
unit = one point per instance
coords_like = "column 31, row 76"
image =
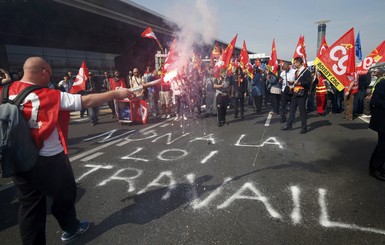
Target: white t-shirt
column 65, row 85
column 52, row 145
column 290, row 77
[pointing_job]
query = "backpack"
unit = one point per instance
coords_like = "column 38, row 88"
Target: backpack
column 18, row 151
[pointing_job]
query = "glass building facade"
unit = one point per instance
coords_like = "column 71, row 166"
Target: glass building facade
column 61, row 60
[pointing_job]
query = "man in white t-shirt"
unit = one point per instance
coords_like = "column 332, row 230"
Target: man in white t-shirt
column 287, row 78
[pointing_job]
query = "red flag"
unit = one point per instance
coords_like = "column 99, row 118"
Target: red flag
column 323, row 47
column 140, row 111
column 171, row 58
column 244, row 59
column 300, row 50
column 244, row 56
column 216, row 53
column 80, row 80
column 148, row 33
column 224, row 61
column 377, row 55
column 169, row 69
column 273, row 62
column 338, row 61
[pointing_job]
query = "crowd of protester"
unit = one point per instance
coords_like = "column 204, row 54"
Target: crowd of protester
column 197, row 93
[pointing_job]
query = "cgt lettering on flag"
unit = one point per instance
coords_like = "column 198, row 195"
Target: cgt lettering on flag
column 338, row 61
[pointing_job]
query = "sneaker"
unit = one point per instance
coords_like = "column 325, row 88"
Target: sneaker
column 168, row 116
column 163, row 116
column 184, row 117
column 83, row 227
column 366, row 116
column 176, row 118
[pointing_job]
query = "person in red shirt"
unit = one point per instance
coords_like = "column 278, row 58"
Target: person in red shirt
column 117, row 82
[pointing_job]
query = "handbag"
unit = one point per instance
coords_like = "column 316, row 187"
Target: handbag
column 275, row 90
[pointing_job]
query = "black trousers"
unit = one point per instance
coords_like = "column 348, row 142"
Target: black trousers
column 222, row 103
column 285, row 100
column 275, row 98
column 258, row 103
column 51, row 177
column 112, row 107
column 299, row 102
column 239, row 104
column 377, row 159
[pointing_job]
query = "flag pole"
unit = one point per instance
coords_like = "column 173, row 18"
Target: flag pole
column 160, row 46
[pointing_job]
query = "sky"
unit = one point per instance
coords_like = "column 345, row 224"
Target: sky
column 258, row 22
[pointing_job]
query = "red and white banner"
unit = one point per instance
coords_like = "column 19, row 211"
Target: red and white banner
column 377, row 55
column 323, row 47
column 300, row 50
column 338, row 61
column 148, row 33
column 170, row 67
column 140, row 111
column 80, row 80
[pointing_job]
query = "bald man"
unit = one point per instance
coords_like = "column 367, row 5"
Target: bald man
column 47, row 113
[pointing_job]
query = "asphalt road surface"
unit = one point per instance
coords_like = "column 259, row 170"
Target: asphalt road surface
column 192, row 182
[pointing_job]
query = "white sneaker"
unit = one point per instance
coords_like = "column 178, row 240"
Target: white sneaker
column 184, row 117
column 168, row 116
column 163, row 116
column 366, row 116
column 176, row 118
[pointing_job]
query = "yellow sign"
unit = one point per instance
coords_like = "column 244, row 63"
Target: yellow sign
column 329, row 76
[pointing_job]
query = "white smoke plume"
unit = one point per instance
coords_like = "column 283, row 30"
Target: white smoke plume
column 197, row 23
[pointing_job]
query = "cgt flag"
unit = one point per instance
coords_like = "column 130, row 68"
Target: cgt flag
column 300, row 50
column 80, row 80
column 323, row 47
column 338, row 61
column 377, row 55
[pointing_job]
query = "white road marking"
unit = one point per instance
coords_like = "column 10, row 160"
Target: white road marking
column 269, row 116
column 365, row 119
column 95, row 155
